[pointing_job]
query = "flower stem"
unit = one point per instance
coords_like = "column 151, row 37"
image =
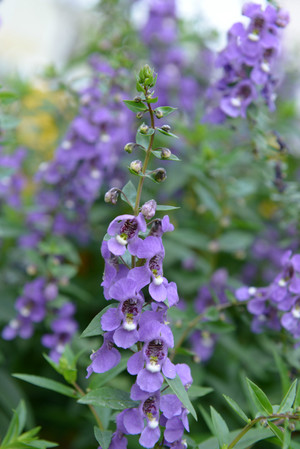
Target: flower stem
column 92, row 409
column 256, row 420
column 147, row 157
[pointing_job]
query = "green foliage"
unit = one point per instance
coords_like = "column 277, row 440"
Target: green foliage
column 49, row 384
column 178, row 388
column 15, row 438
column 109, row 397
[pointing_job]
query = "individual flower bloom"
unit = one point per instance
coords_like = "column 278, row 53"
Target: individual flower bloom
column 158, row 338
column 125, row 229
column 261, row 70
column 113, row 271
column 31, row 308
column 283, row 18
column 51, row 291
column 64, row 327
column 288, row 279
column 260, row 33
column 106, row 358
column 124, row 319
column 175, row 427
column 267, row 320
column 160, row 226
column 19, row 326
column 148, row 209
column 291, row 320
column 203, row 345
column 236, row 102
column 149, row 409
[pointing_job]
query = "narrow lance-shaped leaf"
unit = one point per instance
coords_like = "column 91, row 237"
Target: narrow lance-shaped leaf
column 49, row 384
column 220, row 427
column 259, row 398
column 236, row 408
column 164, row 110
column 109, row 397
column 94, row 328
column 16, row 425
column 178, row 388
column 288, row 400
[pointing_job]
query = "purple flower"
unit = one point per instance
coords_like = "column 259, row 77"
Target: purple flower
column 158, row 338
column 125, row 229
column 106, row 357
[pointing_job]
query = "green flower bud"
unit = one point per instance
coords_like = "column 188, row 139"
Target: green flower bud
column 136, row 166
column 143, row 129
column 129, row 147
column 160, row 174
column 137, row 99
column 166, row 153
column 166, row 128
column 158, row 113
column 139, row 114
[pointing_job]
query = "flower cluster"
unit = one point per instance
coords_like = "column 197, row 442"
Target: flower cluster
column 142, row 322
column 133, row 251
column 276, row 305
column 67, row 187
column 248, row 63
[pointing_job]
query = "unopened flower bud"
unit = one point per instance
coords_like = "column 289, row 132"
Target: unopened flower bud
column 158, row 113
column 292, row 426
column 146, row 75
column 139, row 114
column 143, row 129
column 112, row 196
column 166, row 153
column 148, row 209
column 137, row 99
column 160, row 174
column 136, row 166
column 166, row 128
column 129, row 147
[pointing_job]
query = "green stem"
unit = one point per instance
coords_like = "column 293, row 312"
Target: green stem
column 92, row 409
column 256, row 420
column 142, row 178
column 148, row 153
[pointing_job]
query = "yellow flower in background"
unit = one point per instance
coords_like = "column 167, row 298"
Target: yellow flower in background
column 42, row 116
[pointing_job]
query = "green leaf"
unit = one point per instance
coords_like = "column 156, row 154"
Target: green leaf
column 236, row 408
column 103, row 437
column 135, row 106
column 56, row 245
column 61, row 271
column 196, row 391
column 277, row 432
column 207, row 419
column 161, row 207
column 157, row 154
column 217, row 327
column 286, row 435
column 178, row 388
column 288, row 400
column 94, row 328
column 165, row 110
column 259, row 398
column 251, row 437
column 16, row 425
column 109, row 397
column 130, row 191
column 49, row 384
column 220, row 427
column 166, row 133
column 152, row 100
